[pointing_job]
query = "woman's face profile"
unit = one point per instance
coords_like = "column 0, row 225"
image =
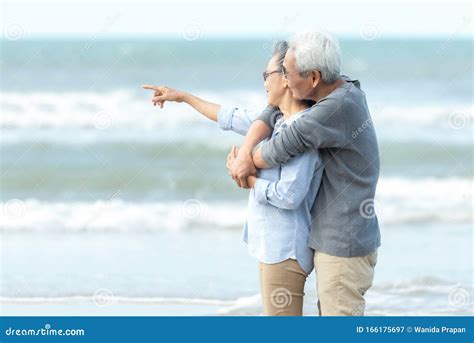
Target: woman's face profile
column 275, row 84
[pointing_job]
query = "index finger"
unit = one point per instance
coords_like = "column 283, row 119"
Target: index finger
column 154, row 88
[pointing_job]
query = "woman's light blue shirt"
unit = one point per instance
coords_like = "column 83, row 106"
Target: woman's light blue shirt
column 279, row 208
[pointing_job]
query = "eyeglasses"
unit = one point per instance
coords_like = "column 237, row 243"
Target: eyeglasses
column 266, row 74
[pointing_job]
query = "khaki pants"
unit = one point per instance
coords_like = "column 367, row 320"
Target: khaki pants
column 282, row 288
column 342, row 283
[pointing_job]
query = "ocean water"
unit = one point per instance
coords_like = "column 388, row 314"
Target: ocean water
column 102, row 193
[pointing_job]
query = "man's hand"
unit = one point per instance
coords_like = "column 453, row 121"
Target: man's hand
column 241, row 166
column 163, row 93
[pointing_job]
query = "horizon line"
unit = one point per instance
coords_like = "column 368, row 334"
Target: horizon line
column 178, row 36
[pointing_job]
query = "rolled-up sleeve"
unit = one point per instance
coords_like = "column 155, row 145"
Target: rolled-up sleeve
column 235, row 119
column 294, row 183
column 260, row 190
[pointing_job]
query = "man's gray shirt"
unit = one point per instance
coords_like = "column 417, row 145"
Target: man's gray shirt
column 343, row 216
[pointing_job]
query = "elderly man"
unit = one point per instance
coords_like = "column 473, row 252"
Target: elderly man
column 345, row 232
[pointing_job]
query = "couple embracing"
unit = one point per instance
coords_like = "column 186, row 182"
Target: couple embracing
column 310, row 178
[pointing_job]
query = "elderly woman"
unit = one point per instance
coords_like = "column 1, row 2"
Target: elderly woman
column 280, row 200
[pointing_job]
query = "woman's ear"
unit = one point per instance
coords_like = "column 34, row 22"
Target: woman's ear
column 285, row 82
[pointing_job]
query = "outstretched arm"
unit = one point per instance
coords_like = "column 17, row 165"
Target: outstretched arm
column 206, row 108
column 163, row 94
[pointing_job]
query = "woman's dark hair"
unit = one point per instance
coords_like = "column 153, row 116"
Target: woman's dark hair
column 279, row 49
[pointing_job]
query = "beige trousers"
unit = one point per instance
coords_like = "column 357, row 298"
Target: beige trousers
column 342, row 283
column 282, row 288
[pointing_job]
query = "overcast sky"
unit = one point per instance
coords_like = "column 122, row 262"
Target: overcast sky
column 208, row 19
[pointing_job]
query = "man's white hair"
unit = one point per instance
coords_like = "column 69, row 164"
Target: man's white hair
column 317, row 51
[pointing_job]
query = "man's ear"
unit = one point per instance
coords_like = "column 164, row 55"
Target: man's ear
column 315, row 77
